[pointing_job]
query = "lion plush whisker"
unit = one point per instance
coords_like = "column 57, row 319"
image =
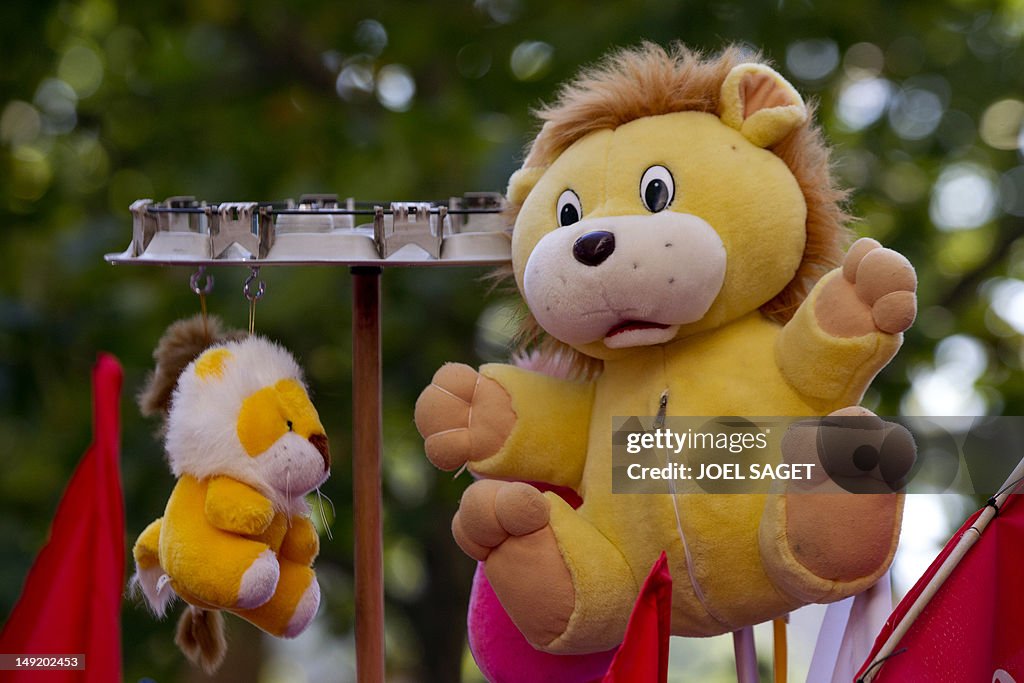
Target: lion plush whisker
column 323, row 515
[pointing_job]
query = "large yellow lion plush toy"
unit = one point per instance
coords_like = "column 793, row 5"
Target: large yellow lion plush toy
column 678, row 234
column 246, row 446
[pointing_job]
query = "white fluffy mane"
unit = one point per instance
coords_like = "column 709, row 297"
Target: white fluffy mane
column 202, row 432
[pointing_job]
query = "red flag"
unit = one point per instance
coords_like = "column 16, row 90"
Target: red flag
column 973, row 628
column 71, row 602
column 643, row 655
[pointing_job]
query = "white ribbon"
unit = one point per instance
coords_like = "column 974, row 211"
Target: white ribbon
column 848, row 632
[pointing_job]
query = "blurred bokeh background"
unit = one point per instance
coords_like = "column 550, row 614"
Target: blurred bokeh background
column 104, row 102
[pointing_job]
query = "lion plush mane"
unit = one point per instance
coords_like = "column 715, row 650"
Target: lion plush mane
column 648, row 81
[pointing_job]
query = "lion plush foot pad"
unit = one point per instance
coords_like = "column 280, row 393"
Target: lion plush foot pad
column 492, row 511
column 506, row 525
column 862, row 453
column 305, row 610
column 293, row 605
column 860, row 461
column 259, row 581
column 873, row 293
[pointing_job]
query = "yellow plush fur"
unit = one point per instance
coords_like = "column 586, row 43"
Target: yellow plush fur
column 697, row 295
column 648, row 81
column 246, row 444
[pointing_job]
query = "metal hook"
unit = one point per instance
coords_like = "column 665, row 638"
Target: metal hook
column 202, row 292
column 253, row 296
column 261, row 286
column 193, row 282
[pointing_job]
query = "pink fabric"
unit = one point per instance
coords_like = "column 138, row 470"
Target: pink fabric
column 503, row 653
column 505, row 656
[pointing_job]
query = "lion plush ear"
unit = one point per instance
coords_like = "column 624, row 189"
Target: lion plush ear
column 760, row 104
column 522, row 182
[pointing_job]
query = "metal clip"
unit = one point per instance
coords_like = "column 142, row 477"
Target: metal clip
column 320, row 217
column 318, row 201
column 182, row 222
column 411, row 223
column 477, row 212
column 325, row 222
column 241, row 223
column 144, row 225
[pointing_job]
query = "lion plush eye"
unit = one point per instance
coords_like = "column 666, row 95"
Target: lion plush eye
column 569, row 208
column 657, row 188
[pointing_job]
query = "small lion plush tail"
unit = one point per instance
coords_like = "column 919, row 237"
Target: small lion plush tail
column 200, row 637
column 181, row 344
column 200, row 634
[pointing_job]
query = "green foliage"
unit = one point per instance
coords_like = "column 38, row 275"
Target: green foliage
column 103, row 103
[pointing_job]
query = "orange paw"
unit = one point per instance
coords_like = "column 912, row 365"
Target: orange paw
column 852, row 450
column 492, row 511
column 874, row 293
column 843, row 524
column 506, row 525
column 463, row 416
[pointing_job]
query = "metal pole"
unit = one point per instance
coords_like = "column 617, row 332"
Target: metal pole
column 746, row 655
column 366, row 474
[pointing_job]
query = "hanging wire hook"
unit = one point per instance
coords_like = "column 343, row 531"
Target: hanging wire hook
column 260, row 287
column 193, row 283
column 253, row 290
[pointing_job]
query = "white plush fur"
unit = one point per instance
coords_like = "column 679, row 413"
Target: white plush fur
column 202, row 435
column 259, row 581
column 308, row 605
column 666, row 268
column 156, row 588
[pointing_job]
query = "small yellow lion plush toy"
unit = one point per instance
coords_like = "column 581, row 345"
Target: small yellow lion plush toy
column 678, row 236
column 246, row 445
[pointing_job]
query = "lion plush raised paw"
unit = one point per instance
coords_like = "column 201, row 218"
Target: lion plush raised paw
column 246, row 445
column 679, row 236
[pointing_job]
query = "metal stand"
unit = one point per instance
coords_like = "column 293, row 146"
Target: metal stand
column 366, row 474
column 746, row 655
column 467, row 230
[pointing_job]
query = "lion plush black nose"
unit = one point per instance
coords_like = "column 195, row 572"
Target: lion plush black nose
column 593, row 248
column 319, row 442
